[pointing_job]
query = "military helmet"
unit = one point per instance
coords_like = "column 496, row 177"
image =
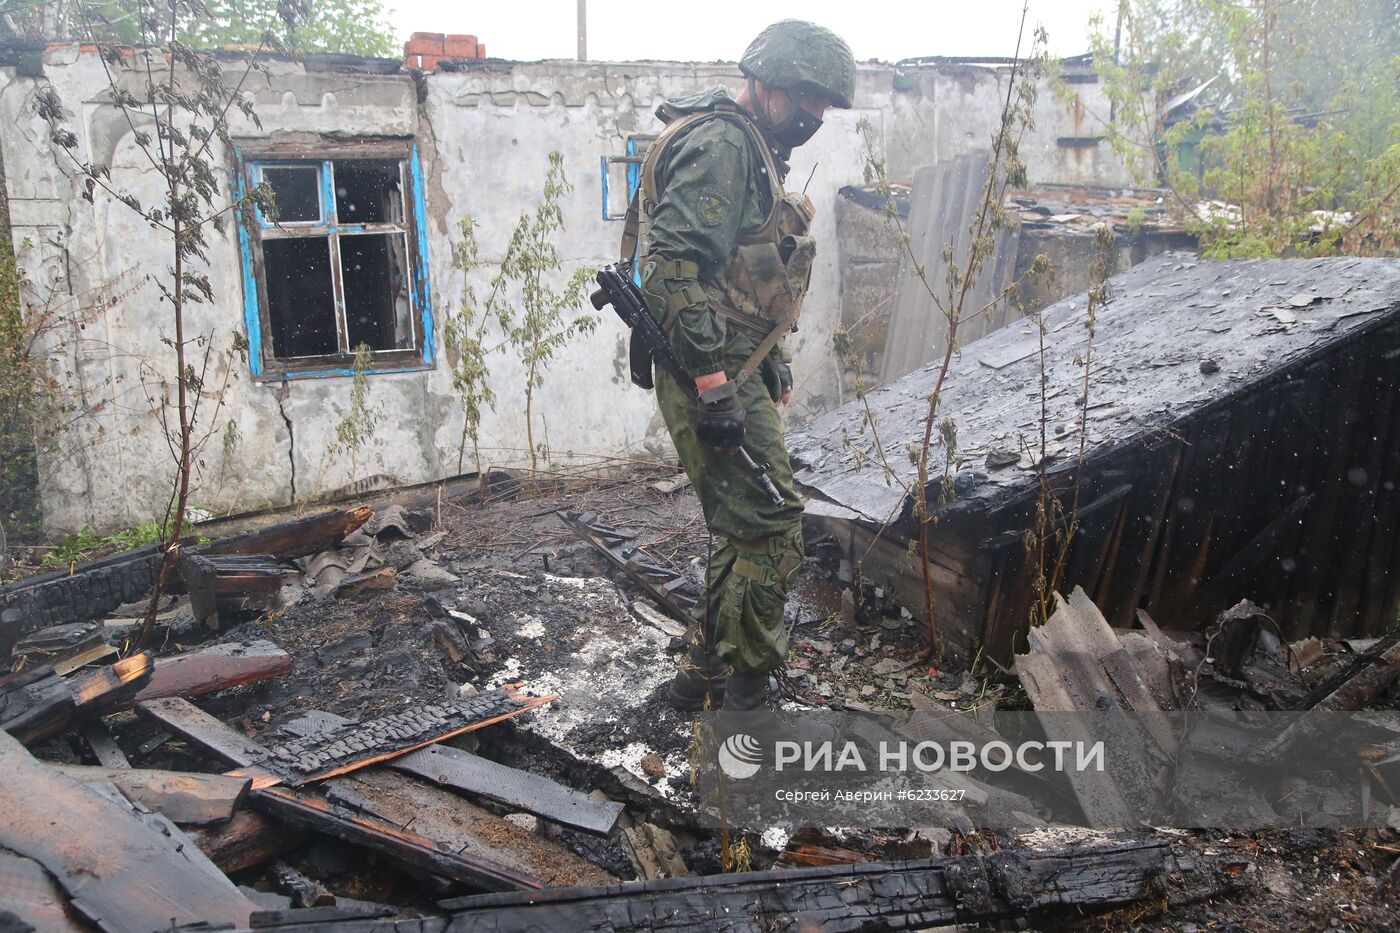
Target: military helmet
column 795, row 55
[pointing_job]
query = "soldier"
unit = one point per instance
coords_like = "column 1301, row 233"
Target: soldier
column 724, row 256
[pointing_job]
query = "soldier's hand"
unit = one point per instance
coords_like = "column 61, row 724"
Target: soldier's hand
column 721, row 418
column 785, row 380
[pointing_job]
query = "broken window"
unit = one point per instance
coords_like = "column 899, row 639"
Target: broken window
column 337, row 263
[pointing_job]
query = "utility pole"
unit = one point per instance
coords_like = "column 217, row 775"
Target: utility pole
column 583, row 30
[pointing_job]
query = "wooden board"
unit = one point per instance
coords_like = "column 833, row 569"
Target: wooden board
column 912, row 895
column 217, row 667
column 30, row 894
column 104, row 747
column 462, row 827
column 125, row 869
column 298, row 538
column 246, row 840
column 183, row 797
column 463, row 771
column 184, row 718
column 307, row 809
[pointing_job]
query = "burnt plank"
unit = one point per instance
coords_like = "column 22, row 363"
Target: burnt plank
column 217, row 667
column 248, row 839
column 463, row 771
column 35, row 704
column 104, row 747
column 181, row 716
column 104, row 689
column 303, row 891
column 306, row 808
column 183, row 797
column 461, row 827
column 31, row 895
column 911, row 895
column 297, row 538
column 125, row 869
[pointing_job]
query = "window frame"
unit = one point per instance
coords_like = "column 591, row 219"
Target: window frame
column 633, row 160
column 251, row 157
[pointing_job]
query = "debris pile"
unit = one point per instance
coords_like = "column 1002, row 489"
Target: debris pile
column 459, row 719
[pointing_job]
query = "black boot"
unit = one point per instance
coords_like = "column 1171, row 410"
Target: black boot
column 745, row 693
column 749, row 694
column 700, row 674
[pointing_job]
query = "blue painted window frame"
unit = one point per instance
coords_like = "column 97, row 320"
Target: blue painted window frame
column 250, row 158
column 633, row 161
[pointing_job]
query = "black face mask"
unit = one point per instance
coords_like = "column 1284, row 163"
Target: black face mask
column 792, row 132
column 796, row 129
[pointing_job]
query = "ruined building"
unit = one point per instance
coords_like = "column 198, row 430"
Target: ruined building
column 376, row 167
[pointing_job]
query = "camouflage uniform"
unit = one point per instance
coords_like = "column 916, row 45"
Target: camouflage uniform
column 713, row 188
column 725, row 258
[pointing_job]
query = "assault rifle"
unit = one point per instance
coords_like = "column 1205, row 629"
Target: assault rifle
column 648, row 343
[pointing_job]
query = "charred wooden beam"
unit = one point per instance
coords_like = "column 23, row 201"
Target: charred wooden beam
column 215, row 579
column 671, row 589
column 35, row 704
column 1351, row 689
column 215, row 668
column 85, row 591
column 125, row 869
column 104, row 747
column 309, row 810
column 970, row 889
column 183, row 797
column 302, row 890
column 1362, row 682
column 184, row 718
column 297, row 538
column 248, row 839
column 104, row 689
column 463, row 771
column 38, row 703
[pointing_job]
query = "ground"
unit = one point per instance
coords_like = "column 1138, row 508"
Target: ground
column 532, row 604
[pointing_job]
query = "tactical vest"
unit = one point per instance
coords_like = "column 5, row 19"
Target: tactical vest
column 768, row 274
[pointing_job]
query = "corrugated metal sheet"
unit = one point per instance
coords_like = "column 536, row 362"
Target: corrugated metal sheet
column 945, row 204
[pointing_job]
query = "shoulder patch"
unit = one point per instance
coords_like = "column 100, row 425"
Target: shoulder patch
column 712, row 206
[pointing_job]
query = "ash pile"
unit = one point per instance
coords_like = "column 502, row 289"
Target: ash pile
column 443, row 714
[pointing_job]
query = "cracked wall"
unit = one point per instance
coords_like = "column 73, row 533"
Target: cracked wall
column 484, row 135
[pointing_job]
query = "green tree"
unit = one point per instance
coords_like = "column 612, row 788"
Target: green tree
column 351, row 27
column 178, row 104
column 540, row 327
column 1293, row 147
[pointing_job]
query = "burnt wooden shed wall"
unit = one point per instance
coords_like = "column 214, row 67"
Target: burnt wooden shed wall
column 1280, row 488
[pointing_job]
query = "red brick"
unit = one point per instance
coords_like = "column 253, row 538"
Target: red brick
column 427, row 37
column 460, row 47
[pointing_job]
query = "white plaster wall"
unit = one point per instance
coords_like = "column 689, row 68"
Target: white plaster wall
column 484, row 138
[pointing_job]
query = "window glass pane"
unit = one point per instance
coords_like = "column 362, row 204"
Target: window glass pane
column 300, row 304
column 297, row 189
column 374, row 274
column 368, row 192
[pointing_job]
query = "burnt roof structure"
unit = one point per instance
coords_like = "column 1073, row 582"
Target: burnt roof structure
column 1238, row 444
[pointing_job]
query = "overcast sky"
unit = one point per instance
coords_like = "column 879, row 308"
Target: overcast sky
column 709, row 30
